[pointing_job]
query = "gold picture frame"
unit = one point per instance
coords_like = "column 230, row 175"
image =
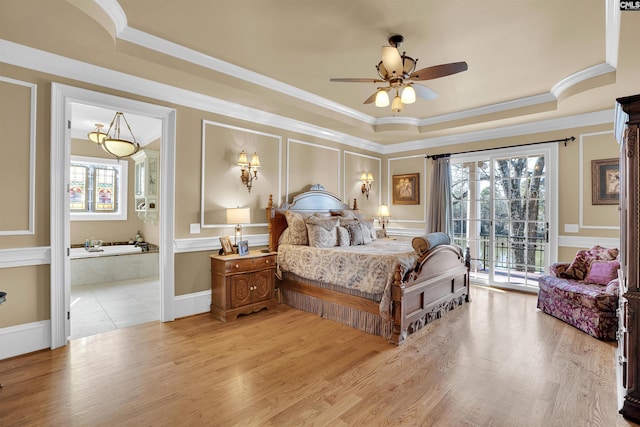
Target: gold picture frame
column 406, row 189
column 227, row 247
column 605, row 182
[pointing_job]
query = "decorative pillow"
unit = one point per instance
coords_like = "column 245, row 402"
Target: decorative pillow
column 356, row 233
column 297, row 228
column 613, row 287
column 343, row 236
column 602, row 272
column 429, row 241
column 372, row 230
column 579, row 267
column 284, row 238
column 322, row 233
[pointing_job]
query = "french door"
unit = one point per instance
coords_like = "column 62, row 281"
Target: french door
column 502, row 209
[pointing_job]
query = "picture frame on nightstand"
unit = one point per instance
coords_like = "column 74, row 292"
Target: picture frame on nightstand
column 243, row 247
column 227, row 247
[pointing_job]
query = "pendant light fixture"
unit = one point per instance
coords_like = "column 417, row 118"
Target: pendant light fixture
column 117, row 146
column 97, row 135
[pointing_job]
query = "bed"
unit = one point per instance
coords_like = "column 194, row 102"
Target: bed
column 385, row 287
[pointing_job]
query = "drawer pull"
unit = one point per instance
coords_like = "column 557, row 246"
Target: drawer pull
column 267, row 261
column 237, row 266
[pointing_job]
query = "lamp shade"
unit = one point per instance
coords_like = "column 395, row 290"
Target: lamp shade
column 242, row 160
column 255, row 161
column 238, row 216
column 383, row 211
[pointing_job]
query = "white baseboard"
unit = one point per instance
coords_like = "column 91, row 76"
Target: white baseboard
column 190, row 304
column 26, row 338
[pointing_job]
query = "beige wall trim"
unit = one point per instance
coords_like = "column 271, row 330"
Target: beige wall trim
column 203, row 191
column 32, row 156
column 405, row 232
column 190, row 304
column 322, row 147
column 581, row 138
column 588, row 241
column 25, row 338
column 213, row 243
column 423, row 186
column 23, row 257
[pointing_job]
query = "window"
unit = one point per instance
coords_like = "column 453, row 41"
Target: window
column 97, row 189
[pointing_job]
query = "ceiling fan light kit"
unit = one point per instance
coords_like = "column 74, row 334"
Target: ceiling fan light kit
column 382, row 98
column 398, row 71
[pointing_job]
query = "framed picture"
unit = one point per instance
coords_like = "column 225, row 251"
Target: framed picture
column 227, row 247
column 605, row 182
column 243, row 247
column 406, row 189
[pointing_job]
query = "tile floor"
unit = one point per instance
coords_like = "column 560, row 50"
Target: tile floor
column 109, row 306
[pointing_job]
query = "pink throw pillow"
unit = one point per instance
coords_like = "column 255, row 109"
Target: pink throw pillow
column 602, row 272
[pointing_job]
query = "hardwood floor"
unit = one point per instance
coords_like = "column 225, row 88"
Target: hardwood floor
column 494, row 362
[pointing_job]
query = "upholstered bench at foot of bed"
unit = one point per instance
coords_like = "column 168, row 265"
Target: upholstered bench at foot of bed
column 589, row 307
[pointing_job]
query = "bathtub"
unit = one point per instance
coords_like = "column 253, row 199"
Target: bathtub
column 113, row 263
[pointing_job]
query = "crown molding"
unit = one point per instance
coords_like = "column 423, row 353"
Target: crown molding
column 569, row 122
column 113, row 9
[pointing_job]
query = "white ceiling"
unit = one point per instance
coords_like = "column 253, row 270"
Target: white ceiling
column 85, row 117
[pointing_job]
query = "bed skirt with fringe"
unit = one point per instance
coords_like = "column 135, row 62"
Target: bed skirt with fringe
column 362, row 320
column 366, row 321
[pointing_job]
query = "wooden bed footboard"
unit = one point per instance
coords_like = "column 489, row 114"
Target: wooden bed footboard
column 438, row 283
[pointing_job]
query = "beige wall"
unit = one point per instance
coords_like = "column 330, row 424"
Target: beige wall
column 291, row 162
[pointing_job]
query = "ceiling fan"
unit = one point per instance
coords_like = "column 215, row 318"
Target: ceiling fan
column 399, row 72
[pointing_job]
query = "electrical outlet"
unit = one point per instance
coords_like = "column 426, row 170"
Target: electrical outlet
column 194, row 228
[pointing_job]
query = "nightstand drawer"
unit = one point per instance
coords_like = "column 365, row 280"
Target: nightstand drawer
column 249, row 264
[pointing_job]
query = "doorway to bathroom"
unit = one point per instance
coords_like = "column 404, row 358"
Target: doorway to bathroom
column 115, row 301
column 114, row 236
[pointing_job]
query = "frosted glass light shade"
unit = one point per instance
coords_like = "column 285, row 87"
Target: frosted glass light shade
column 97, row 135
column 408, row 95
column 382, row 98
column 120, row 147
column 255, row 161
column 397, row 105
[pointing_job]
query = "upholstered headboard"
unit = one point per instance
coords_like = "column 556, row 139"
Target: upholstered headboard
column 315, row 200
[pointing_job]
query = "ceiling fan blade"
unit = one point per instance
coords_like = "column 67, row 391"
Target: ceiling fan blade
column 438, row 71
column 424, row 92
column 357, row 80
column 392, row 60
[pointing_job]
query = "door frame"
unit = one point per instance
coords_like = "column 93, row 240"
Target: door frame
column 61, row 98
column 550, row 151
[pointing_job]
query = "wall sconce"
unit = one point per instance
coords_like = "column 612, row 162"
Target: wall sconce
column 367, row 179
column 238, row 216
column 383, row 217
column 249, row 170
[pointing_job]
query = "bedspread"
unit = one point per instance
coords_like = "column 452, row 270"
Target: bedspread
column 366, row 268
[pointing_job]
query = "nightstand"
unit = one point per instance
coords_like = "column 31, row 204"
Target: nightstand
column 242, row 284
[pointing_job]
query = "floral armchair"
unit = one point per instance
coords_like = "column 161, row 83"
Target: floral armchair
column 584, row 293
